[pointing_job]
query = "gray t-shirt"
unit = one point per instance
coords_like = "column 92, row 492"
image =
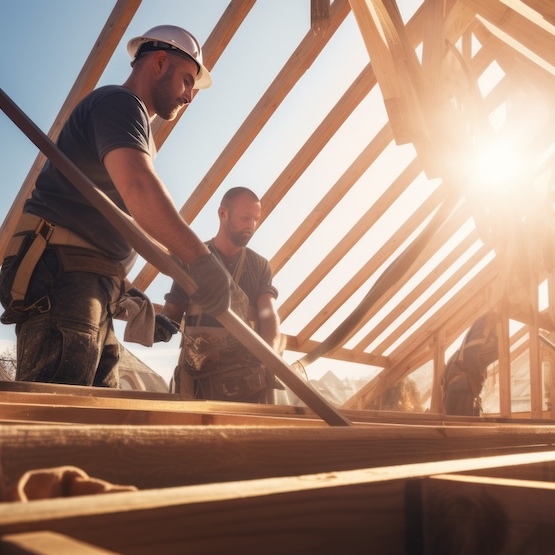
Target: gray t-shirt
column 110, row 117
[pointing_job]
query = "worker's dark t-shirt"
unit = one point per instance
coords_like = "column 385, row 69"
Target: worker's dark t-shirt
column 108, row 118
column 255, row 280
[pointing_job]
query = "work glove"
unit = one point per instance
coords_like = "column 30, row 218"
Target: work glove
column 213, row 280
column 164, row 329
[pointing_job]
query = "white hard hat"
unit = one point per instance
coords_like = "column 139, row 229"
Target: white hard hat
column 176, row 39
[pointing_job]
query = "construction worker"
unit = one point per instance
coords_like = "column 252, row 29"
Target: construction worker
column 466, row 369
column 64, row 269
column 212, row 363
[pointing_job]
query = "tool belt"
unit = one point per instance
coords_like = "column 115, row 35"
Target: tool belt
column 195, row 317
column 52, row 234
column 42, row 234
column 232, row 383
column 31, row 237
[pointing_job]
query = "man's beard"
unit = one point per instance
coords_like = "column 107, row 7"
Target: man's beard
column 239, row 238
column 167, row 108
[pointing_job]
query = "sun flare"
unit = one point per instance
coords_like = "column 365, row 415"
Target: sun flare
column 498, row 164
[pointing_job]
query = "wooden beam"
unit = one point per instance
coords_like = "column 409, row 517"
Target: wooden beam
column 433, row 50
column 306, row 155
column 321, row 513
column 357, row 231
column 534, row 357
column 395, row 65
column 319, row 16
column 459, row 19
column 81, row 391
column 529, row 36
column 151, row 457
column 346, row 355
column 504, row 348
column 436, row 403
column 544, row 7
column 415, row 294
column 410, row 355
column 56, row 413
column 47, row 543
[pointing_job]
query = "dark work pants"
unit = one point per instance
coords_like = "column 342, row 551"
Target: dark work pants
column 73, row 342
column 460, row 400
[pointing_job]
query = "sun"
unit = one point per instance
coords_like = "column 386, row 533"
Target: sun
column 498, row 165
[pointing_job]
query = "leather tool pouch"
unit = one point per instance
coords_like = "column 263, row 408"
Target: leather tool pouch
column 18, row 310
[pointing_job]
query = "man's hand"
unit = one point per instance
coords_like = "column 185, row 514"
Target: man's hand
column 164, row 329
column 213, row 281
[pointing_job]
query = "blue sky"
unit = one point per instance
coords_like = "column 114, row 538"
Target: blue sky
column 47, row 42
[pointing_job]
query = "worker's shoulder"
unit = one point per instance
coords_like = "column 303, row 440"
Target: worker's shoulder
column 112, row 93
column 255, row 257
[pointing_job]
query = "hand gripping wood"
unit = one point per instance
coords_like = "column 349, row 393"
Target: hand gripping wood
column 157, row 255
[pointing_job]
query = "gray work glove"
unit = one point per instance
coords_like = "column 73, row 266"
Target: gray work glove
column 213, row 281
column 164, row 329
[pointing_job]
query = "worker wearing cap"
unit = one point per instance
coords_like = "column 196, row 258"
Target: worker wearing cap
column 65, row 266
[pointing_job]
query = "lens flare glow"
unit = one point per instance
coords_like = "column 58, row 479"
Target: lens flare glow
column 498, row 164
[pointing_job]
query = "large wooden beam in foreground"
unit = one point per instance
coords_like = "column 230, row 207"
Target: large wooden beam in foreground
column 381, row 510
column 167, row 456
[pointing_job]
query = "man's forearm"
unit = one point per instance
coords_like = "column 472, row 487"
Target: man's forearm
column 269, row 331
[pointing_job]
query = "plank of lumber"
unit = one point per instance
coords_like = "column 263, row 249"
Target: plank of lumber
column 71, row 396
column 418, row 290
column 47, row 543
column 545, row 7
column 201, row 412
column 359, row 228
column 83, row 391
column 534, row 356
column 336, row 512
column 55, row 412
column 319, row 16
column 436, row 403
column 531, row 37
column 504, row 351
column 394, row 62
column 168, row 456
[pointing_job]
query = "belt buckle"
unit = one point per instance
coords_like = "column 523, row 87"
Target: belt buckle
column 45, row 229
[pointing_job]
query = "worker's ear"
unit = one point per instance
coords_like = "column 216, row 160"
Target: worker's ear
column 160, row 59
column 222, row 212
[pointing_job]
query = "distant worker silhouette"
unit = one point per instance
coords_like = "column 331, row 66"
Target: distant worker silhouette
column 466, row 370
